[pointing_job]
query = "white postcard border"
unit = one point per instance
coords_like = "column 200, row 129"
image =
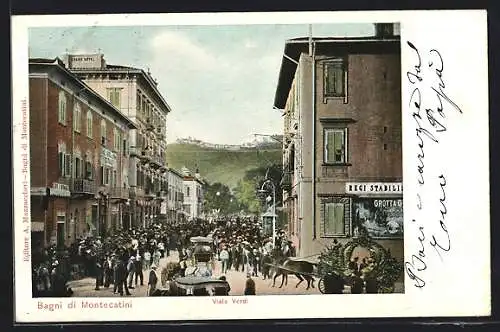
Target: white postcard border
column 457, row 285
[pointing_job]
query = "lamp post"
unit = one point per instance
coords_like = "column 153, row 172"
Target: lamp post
column 262, row 190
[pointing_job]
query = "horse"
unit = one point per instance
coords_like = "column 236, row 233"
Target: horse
column 301, row 269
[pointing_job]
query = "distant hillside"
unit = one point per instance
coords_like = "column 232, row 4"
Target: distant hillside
column 217, row 165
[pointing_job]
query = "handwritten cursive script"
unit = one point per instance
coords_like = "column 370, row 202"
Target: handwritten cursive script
column 429, row 104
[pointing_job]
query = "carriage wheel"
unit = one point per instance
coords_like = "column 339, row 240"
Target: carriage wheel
column 321, row 285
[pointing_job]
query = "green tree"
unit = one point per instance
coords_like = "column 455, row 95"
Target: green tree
column 246, row 196
column 218, row 196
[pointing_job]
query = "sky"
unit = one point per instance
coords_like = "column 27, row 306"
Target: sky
column 219, row 81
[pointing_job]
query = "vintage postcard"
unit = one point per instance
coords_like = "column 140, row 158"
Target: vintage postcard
column 255, row 165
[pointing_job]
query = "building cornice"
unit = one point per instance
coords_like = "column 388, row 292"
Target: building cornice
column 56, row 67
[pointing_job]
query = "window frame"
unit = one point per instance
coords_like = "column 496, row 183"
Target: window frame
column 90, row 124
column 110, row 92
column 104, row 126
column 77, row 117
column 61, row 155
column 335, row 62
column 62, row 108
column 345, row 131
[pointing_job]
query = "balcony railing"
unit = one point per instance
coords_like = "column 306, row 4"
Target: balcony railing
column 120, row 192
column 83, row 186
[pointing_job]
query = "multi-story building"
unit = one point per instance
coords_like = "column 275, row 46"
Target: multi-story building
column 193, row 194
column 175, row 198
column 79, row 164
column 135, row 93
column 342, row 151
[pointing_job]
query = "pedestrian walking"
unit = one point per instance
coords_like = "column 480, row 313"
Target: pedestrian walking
column 249, row 285
column 224, row 258
column 131, row 271
column 153, row 280
column 122, row 278
column 147, row 260
column 139, row 276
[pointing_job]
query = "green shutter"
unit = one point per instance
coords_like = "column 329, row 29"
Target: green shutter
column 339, row 218
column 330, row 146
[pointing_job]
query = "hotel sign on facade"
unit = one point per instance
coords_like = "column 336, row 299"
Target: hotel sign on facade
column 374, row 188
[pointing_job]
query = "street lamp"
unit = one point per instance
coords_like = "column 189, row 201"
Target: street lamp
column 263, row 191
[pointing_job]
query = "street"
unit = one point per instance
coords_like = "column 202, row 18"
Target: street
column 86, row 287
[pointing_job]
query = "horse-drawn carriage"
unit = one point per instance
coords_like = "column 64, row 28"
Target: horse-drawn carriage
column 202, row 260
column 305, row 269
column 197, row 279
column 198, row 286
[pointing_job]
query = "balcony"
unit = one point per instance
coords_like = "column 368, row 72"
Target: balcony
column 149, row 192
column 120, row 192
column 83, row 187
column 157, row 161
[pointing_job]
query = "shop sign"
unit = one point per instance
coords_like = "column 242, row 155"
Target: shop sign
column 379, row 188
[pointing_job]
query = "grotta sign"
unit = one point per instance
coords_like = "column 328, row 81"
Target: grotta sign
column 382, row 218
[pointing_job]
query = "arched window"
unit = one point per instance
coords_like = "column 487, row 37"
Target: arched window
column 77, row 117
column 62, row 107
column 103, row 132
column 90, row 131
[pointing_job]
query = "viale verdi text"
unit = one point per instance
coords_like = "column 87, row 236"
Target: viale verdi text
column 430, row 108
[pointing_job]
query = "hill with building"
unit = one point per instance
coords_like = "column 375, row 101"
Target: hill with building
column 219, row 164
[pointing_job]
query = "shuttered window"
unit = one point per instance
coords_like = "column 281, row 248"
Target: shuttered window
column 335, row 145
column 335, row 78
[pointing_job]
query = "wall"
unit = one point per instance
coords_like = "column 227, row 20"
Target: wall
column 38, row 130
column 374, row 103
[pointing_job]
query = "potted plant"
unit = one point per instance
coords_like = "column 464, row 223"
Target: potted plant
column 332, row 268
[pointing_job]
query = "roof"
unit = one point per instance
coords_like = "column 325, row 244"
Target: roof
column 176, row 172
column 58, row 65
column 324, row 46
column 125, row 69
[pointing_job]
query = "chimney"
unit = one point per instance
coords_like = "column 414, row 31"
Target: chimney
column 384, row 30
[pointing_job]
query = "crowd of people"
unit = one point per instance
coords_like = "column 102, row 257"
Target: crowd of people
column 122, row 258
